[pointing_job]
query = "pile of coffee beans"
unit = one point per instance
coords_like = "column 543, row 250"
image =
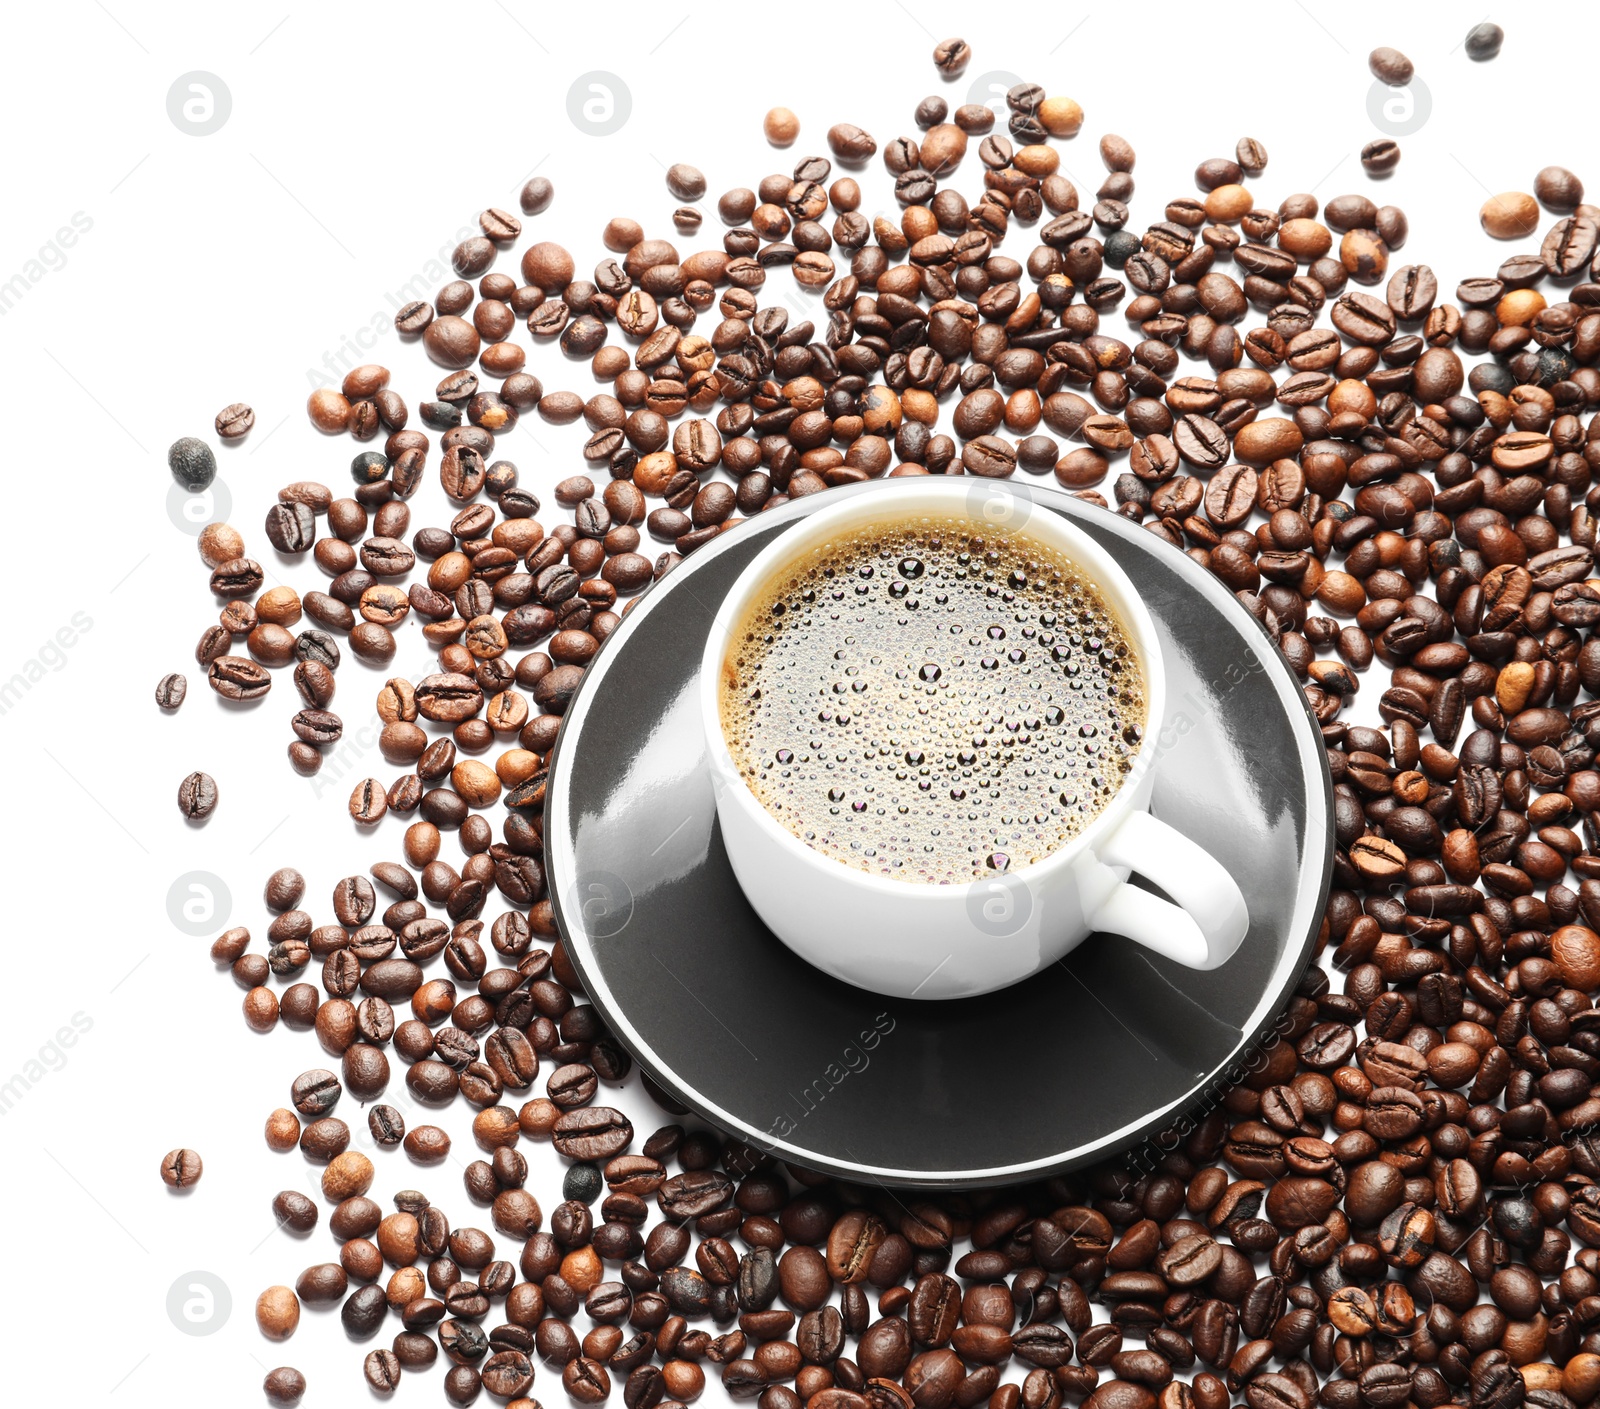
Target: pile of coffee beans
column 1399, row 1204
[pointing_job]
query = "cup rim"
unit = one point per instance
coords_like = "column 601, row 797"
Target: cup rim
column 947, row 494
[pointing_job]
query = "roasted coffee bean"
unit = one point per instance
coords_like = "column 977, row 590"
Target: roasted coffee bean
column 381, row 1369
column 386, row 1124
column 1483, row 42
column 285, row 1385
column 294, row 1210
column 170, row 691
column 197, row 796
column 951, row 56
column 1390, row 66
column 1380, row 157
column 592, row 1133
column 316, row 1092
column 237, row 678
column 180, row 1169
column 291, row 528
column 363, row 1312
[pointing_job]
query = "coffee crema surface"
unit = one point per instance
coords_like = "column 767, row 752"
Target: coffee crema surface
column 932, row 701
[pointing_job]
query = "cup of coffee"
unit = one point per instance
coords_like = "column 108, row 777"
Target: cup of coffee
column 931, row 712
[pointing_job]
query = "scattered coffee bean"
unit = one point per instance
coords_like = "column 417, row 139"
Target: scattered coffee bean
column 237, row 678
column 1380, row 157
column 1483, row 42
column 285, row 1385
column 192, row 464
column 329, row 410
column 1512, row 215
column 180, row 1169
column 235, row 422
column 1558, row 189
column 382, row 1371
column 536, row 195
column 1251, row 156
column 283, row 1129
column 294, row 1210
column 386, row 1124
column 1390, row 66
column 781, row 127
column 197, row 796
column 686, row 182
column 277, row 1313
column 951, row 56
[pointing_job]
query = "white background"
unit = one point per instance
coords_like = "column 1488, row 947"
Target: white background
column 362, row 142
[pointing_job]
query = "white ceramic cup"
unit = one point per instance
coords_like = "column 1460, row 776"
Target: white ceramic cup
column 917, row 940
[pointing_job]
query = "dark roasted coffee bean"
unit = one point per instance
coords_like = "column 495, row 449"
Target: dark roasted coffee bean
column 363, row 1312
column 291, row 528
column 316, row 1092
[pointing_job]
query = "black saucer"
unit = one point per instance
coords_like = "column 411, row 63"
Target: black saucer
column 1091, row 1056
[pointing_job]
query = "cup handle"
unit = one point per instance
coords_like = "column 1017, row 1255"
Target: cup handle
column 1209, row 920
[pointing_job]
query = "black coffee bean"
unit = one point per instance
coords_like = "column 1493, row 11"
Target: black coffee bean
column 192, row 464
column 363, row 1312
column 291, row 528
